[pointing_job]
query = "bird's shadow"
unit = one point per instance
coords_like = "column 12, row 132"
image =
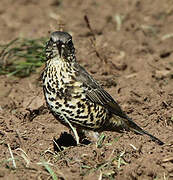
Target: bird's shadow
column 67, row 140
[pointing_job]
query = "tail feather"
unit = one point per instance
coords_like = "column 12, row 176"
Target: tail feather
column 134, row 127
column 119, row 124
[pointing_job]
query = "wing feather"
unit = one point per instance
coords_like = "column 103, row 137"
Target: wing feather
column 96, row 93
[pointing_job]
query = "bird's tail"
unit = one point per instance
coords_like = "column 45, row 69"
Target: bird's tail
column 134, row 127
column 129, row 124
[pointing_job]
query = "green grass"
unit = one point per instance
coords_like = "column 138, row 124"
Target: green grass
column 21, row 57
column 100, row 141
column 49, row 169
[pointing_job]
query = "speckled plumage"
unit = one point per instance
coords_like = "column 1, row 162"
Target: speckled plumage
column 74, row 97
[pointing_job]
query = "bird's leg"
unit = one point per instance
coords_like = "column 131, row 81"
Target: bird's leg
column 74, row 131
column 96, row 135
column 81, row 134
column 76, row 135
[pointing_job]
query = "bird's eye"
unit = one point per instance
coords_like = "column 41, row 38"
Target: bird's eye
column 69, row 43
column 50, row 42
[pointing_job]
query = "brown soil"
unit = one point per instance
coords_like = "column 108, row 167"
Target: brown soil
column 138, row 73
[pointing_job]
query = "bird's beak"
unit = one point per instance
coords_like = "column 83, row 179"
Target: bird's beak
column 59, row 46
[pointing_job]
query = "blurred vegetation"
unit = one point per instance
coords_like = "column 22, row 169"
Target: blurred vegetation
column 21, row 57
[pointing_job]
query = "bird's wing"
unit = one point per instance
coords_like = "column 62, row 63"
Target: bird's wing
column 96, row 93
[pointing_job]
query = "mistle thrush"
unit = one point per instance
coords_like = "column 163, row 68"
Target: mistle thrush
column 75, row 98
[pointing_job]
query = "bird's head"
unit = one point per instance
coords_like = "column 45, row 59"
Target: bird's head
column 60, row 45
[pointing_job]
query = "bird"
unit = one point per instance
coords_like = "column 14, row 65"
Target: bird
column 75, row 98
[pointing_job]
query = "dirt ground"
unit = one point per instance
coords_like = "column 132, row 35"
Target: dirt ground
column 134, row 40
